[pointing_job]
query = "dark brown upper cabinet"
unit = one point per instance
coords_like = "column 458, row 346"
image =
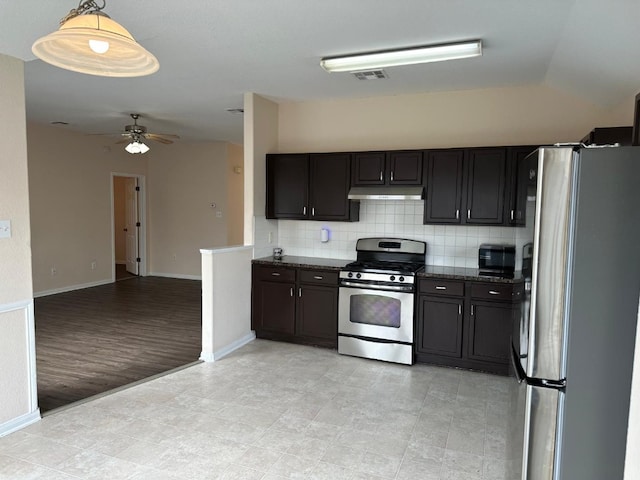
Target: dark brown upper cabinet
column 287, row 185
column 518, row 180
column 401, row 167
column 310, row 187
column 486, row 173
column 443, row 182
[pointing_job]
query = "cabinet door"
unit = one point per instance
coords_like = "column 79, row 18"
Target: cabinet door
column 287, row 186
column 440, row 326
column 329, row 186
column 486, row 170
column 443, row 186
column 518, row 182
column 405, row 168
column 490, row 328
column 368, row 168
column 273, row 306
column 317, row 312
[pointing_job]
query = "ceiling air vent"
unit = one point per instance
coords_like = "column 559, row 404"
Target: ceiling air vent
column 370, row 75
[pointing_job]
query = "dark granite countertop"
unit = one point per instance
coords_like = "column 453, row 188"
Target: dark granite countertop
column 304, row 262
column 430, row 271
column 461, row 273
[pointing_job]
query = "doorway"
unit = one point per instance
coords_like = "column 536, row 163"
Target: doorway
column 128, row 226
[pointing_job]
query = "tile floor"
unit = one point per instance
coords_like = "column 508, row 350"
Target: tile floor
column 275, row 411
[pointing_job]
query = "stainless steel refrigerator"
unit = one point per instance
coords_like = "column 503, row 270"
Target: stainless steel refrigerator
column 573, row 345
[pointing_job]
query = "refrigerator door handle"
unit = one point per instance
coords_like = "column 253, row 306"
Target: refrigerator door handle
column 517, row 368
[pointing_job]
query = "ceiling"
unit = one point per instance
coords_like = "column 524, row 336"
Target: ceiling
column 213, row 51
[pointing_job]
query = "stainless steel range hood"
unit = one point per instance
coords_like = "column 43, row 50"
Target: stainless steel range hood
column 386, row 193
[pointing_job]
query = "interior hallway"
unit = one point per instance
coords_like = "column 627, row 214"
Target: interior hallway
column 272, row 411
column 93, row 340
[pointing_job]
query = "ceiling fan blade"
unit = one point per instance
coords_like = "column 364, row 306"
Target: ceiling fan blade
column 169, row 135
column 158, row 138
column 125, row 140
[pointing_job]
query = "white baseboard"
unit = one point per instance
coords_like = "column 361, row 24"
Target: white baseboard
column 19, row 423
column 71, row 288
column 226, row 350
column 175, row 275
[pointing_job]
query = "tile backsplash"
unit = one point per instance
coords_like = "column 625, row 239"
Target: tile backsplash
column 455, row 246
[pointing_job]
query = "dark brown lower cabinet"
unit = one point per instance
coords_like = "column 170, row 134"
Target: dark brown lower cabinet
column 490, row 332
column 295, row 305
column 440, row 328
column 466, row 324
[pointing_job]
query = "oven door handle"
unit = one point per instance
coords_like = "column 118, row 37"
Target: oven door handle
column 369, row 286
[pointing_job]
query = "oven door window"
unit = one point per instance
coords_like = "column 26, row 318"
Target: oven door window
column 375, row 310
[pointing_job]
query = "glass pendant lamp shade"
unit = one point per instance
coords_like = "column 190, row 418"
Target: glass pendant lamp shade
column 95, row 44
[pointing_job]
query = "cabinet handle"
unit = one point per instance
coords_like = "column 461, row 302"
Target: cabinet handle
column 493, row 292
column 457, row 214
column 512, row 215
column 440, row 287
column 275, row 274
column 392, row 175
column 459, row 309
column 473, row 310
column 291, row 291
column 313, row 211
column 469, row 213
column 299, row 292
column 304, row 210
column 381, row 177
column 318, row 277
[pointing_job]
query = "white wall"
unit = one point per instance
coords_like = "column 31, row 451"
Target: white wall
column 184, row 180
column 18, row 396
column 632, row 464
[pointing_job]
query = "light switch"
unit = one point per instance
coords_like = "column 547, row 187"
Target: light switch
column 5, row 228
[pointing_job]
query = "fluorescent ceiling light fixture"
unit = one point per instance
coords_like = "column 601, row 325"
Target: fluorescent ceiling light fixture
column 90, row 42
column 136, row 147
column 405, row 56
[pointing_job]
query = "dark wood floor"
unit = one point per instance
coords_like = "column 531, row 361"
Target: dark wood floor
column 93, row 340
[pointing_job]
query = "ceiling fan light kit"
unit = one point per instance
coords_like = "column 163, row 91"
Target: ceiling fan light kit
column 403, row 56
column 136, row 147
column 90, row 42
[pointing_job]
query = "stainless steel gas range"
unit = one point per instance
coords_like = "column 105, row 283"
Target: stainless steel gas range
column 376, row 299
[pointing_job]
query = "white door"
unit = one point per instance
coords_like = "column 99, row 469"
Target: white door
column 131, row 225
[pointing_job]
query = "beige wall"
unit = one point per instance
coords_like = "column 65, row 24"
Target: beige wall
column 18, row 404
column 260, row 138
column 517, row 115
column 119, row 218
column 70, row 194
column 183, row 181
column 235, row 195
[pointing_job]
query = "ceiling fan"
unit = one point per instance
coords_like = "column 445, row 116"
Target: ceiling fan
column 137, row 133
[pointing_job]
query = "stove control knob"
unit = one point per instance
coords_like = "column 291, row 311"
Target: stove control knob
column 401, row 279
column 358, row 275
column 350, row 275
column 393, row 277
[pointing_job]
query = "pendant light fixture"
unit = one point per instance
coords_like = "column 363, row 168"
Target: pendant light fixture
column 88, row 41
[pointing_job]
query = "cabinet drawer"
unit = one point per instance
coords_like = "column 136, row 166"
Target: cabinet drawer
column 322, row 277
column 441, row 287
column 496, row 291
column 275, row 273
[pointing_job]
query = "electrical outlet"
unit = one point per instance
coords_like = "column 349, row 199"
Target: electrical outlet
column 54, row 271
column 219, row 214
column 93, row 265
